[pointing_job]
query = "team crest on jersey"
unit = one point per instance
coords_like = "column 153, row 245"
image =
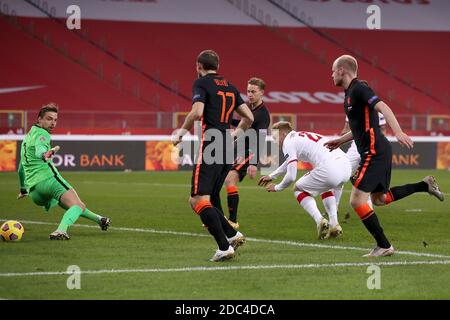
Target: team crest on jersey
column 349, row 107
column 42, row 138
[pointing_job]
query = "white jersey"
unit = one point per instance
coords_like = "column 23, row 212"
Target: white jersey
column 308, row 147
column 331, row 169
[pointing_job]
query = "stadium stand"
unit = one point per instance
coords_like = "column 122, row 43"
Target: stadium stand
column 125, row 72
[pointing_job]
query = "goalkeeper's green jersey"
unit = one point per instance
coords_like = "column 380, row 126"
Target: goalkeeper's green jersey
column 33, row 168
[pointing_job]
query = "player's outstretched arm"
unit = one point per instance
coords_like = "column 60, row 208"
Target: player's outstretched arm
column 194, row 115
column 278, row 171
column 336, row 143
column 345, row 129
column 391, row 120
column 289, row 177
column 264, row 180
column 50, row 153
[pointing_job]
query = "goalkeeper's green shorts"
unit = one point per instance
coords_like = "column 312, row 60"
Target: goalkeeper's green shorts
column 48, row 192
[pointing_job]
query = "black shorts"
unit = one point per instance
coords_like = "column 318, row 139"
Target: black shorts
column 241, row 167
column 374, row 172
column 208, row 178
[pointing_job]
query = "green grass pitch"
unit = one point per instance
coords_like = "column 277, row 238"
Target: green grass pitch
column 157, row 248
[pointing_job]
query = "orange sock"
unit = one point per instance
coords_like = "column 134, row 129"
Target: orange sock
column 389, row 197
column 232, row 190
column 201, row 205
column 233, row 202
column 364, row 211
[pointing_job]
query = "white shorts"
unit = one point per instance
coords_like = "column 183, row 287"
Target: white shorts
column 328, row 176
column 353, row 156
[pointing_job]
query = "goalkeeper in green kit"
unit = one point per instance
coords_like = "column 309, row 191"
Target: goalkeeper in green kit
column 41, row 180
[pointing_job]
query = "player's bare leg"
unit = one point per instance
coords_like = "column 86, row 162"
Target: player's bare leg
column 309, row 204
column 211, row 218
column 232, row 197
column 358, row 200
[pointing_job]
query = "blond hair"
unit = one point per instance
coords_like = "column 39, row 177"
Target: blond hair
column 282, row 126
column 347, row 62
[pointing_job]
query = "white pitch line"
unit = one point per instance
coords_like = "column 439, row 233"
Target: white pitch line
column 228, row 268
column 282, row 242
column 184, row 185
column 181, row 185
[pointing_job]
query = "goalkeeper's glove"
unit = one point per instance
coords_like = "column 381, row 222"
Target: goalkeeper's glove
column 22, row 194
column 50, row 153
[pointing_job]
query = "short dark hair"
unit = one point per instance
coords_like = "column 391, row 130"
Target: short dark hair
column 257, row 82
column 49, row 107
column 209, row 59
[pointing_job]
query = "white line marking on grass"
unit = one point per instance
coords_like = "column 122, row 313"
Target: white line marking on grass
column 184, row 185
column 327, row 246
column 282, row 242
column 228, row 268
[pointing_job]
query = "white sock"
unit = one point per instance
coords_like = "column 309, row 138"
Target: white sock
column 309, row 204
column 338, row 194
column 329, row 201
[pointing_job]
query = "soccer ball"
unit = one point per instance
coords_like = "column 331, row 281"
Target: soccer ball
column 11, row 231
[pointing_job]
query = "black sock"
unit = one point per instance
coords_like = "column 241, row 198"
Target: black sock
column 210, row 217
column 373, row 225
column 233, row 202
column 408, row 189
column 215, row 201
column 227, row 229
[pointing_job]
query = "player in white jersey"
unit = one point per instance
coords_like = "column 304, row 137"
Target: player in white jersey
column 330, row 171
column 353, row 154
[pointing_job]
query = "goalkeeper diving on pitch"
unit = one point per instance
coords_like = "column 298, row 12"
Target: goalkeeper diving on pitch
column 40, row 179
